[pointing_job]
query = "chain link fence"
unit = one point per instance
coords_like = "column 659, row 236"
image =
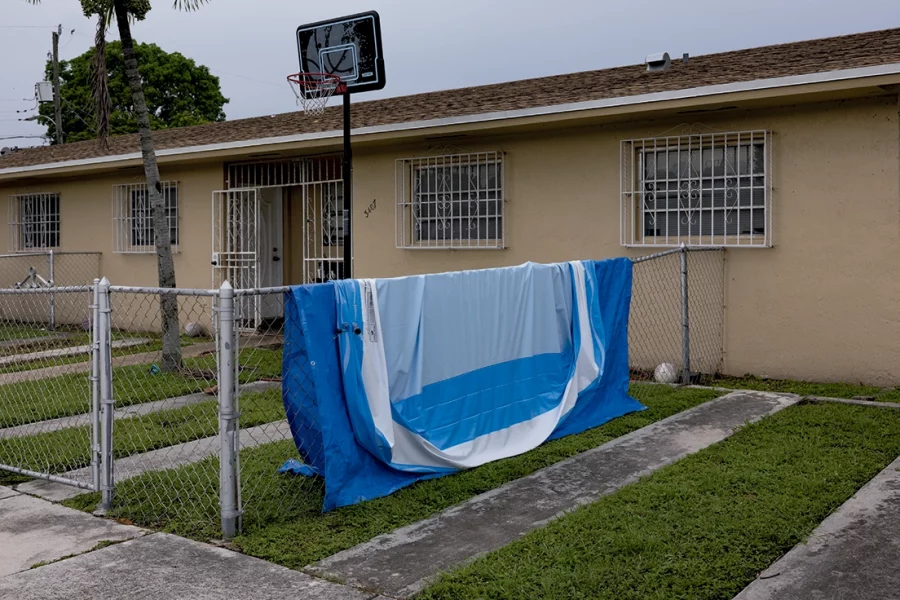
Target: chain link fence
column 263, row 494
column 55, row 268
column 50, row 269
column 197, row 448
column 677, row 324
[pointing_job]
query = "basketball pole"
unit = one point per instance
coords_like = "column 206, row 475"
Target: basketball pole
column 348, row 189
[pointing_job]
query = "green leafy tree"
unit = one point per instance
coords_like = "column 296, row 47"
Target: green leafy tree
column 178, row 93
column 122, row 12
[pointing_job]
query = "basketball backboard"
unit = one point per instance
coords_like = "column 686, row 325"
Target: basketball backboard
column 348, row 47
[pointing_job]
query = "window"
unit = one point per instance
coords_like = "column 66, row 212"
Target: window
column 700, row 190
column 33, row 222
column 452, row 201
column 133, row 217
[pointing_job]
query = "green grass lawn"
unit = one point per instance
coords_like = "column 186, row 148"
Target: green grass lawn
column 700, row 529
column 53, row 397
column 803, row 388
column 283, row 518
column 16, row 331
column 69, row 449
column 7, row 478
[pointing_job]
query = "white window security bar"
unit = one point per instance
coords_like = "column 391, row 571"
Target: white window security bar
column 452, row 201
column 33, row 221
column 133, row 231
column 700, row 190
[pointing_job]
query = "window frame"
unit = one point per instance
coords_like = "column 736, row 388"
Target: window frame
column 708, row 194
column 132, row 217
column 44, row 230
column 449, row 230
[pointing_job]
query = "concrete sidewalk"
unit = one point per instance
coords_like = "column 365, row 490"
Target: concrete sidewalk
column 401, row 563
column 34, row 531
column 152, row 566
column 167, row 567
column 853, row 554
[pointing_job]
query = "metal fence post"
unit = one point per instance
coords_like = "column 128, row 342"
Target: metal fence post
column 685, row 321
column 107, row 404
column 227, row 416
column 52, row 283
column 95, row 386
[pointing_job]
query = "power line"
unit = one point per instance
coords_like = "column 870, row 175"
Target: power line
column 79, row 113
column 71, row 37
column 28, row 26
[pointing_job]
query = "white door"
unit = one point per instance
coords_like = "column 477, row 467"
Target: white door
column 271, row 247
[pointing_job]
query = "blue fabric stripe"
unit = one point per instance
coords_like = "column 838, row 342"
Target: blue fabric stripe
column 465, row 407
column 429, row 316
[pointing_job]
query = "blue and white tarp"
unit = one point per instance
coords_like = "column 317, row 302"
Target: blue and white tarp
column 387, row 381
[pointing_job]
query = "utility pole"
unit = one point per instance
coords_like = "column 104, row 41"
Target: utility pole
column 56, row 99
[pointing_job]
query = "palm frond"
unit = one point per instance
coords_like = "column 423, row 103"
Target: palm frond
column 188, row 5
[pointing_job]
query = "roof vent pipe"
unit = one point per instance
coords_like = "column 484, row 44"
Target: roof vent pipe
column 658, row 62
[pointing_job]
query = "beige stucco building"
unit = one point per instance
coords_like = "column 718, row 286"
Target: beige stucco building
column 788, row 156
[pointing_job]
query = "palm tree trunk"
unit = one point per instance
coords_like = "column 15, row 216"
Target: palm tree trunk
column 99, row 82
column 168, row 302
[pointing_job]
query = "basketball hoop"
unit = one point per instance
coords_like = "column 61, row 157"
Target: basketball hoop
column 314, row 89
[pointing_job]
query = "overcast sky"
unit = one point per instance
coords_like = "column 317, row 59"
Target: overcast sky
column 428, row 45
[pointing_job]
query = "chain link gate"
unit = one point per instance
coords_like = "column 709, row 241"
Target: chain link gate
column 49, row 427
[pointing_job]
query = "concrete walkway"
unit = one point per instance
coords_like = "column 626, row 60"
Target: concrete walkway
column 135, row 410
column 85, row 367
column 148, row 566
column 32, row 341
column 13, row 359
column 852, row 555
column 157, row 460
column 401, row 563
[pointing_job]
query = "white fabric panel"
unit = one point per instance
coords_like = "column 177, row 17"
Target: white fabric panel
column 410, row 449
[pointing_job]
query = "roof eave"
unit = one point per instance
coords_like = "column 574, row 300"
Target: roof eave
column 778, row 86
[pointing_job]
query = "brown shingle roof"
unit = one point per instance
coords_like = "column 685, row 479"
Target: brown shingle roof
column 798, row 58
